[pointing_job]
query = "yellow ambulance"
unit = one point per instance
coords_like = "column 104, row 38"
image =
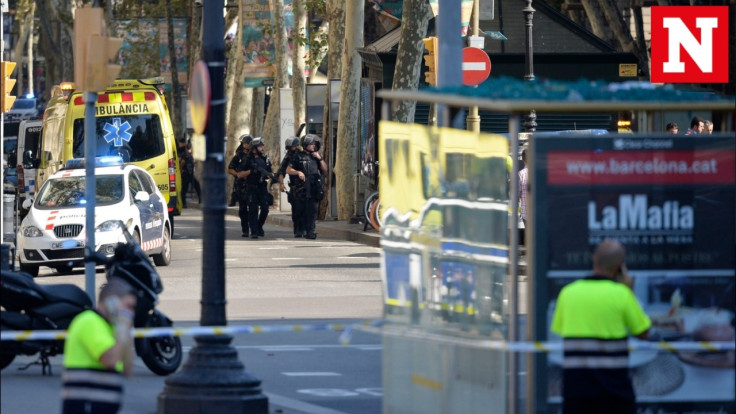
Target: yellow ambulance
column 132, row 121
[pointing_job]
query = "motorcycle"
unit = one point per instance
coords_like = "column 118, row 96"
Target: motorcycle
column 29, row 306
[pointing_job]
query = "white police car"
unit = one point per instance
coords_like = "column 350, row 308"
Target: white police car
column 53, row 232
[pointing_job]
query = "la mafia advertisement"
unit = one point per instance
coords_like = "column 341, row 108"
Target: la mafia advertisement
column 671, row 202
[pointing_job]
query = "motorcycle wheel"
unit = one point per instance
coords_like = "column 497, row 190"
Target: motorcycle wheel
column 162, row 355
column 5, row 360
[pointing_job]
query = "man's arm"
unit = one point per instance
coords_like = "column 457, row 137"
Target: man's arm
column 123, row 348
column 644, row 335
column 321, row 162
column 291, row 171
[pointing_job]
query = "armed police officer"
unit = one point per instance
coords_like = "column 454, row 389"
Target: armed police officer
column 292, row 150
column 309, row 167
column 258, row 168
column 237, row 168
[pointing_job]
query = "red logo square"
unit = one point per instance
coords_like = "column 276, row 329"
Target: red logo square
column 689, row 44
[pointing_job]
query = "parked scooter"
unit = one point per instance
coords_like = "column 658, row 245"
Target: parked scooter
column 30, row 306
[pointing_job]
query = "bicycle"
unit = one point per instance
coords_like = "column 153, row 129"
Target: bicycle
column 369, row 210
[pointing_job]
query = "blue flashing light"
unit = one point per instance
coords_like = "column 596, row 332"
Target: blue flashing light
column 29, row 96
column 107, row 161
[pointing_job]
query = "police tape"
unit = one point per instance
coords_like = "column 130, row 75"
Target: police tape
column 376, row 327
column 538, row 346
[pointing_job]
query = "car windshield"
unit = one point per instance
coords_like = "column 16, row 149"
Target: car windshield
column 69, row 191
column 133, row 137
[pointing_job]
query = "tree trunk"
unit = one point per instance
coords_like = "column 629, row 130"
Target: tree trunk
column 320, row 53
column 348, row 129
column 57, row 34
column 194, row 38
column 335, row 14
column 641, row 41
column 297, row 76
column 24, row 14
column 175, row 89
column 256, row 114
column 29, row 51
column 416, row 14
column 233, row 52
column 271, row 127
column 597, row 21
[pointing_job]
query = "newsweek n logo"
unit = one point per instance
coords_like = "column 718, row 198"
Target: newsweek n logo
column 689, row 44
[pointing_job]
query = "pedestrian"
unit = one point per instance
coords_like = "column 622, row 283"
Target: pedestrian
column 672, row 128
column 187, row 175
column 708, row 126
column 98, row 352
column 292, row 149
column 696, row 126
column 237, row 168
column 523, row 187
column 258, row 168
column 309, row 167
column 244, row 147
column 594, row 316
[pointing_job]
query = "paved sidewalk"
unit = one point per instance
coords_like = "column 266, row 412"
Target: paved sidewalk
column 335, row 229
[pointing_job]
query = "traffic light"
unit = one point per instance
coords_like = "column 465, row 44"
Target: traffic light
column 430, row 59
column 6, row 99
column 93, row 51
column 100, row 73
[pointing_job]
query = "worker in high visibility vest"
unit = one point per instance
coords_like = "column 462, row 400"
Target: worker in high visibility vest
column 595, row 316
column 98, row 352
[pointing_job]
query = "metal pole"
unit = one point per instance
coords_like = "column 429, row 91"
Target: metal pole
column 513, row 336
column 473, row 119
column 213, row 379
column 450, row 54
column 90, row 150
column 2, row 123
column 530, row 125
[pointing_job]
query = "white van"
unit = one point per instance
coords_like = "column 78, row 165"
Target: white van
column 28, row 159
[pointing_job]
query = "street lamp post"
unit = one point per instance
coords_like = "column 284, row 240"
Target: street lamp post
column 530, row 125
column 213, row 379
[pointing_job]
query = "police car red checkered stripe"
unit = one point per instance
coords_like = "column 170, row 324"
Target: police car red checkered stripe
column 152, row 244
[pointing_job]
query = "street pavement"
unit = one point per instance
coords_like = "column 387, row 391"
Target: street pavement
column 302, row 372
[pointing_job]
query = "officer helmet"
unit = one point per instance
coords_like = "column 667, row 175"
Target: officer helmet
column 308, row 139
column 291, row 142
column 246, row 138
column 317, row 143
column 257, row 142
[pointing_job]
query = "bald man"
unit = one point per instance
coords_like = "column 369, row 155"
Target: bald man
column 595, row 316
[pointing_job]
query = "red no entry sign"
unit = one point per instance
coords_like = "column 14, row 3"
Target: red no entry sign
column 476, row 66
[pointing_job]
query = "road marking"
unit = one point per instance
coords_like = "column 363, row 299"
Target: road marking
column 299, row 406
column 286, row 348
column 312, row 374
column 286, row 258
column 351, row 257
column 273, row 248
column 370, row 347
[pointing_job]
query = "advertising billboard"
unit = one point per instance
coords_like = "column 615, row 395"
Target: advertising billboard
column 670, row 201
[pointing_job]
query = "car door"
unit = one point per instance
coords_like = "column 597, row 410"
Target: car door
column 145, row 210
column 156, row 205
